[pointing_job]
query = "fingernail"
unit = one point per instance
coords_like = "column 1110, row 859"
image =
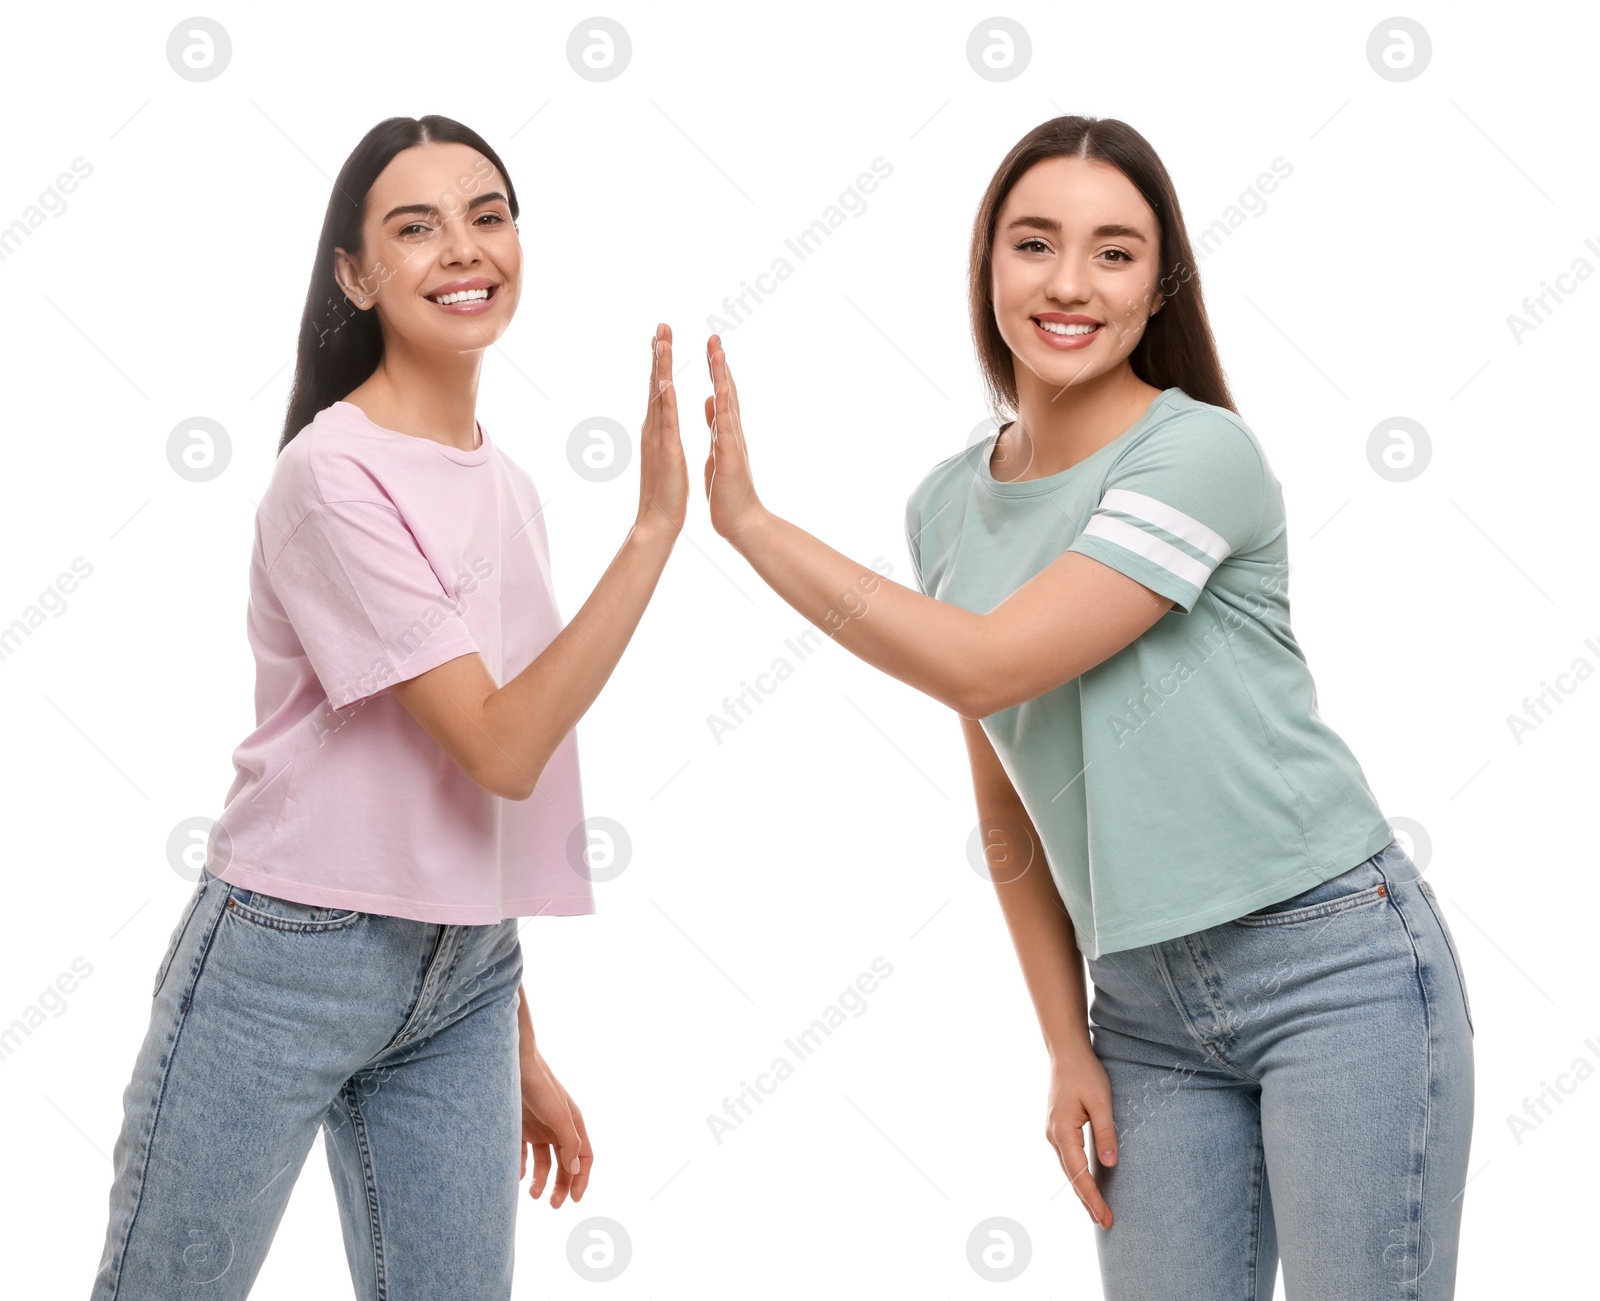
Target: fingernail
column 576, row 1166
column 1108, row 1155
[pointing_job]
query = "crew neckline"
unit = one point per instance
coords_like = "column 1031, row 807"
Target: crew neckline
column 1049, row 482
column 477, row 456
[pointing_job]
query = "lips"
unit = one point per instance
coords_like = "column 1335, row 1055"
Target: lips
column 462, row 286
column 1066, row 342
column 467, row 306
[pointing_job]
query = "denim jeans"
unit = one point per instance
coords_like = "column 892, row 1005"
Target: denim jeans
column 1297, row 1081
column 269, row 1019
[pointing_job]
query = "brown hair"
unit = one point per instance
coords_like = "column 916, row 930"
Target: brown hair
column 1176, row 348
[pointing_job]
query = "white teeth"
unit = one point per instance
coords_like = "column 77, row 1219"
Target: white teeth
column 1055, row 327
column 465, row 296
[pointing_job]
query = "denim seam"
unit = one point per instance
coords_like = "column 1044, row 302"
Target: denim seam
column 161, row 1091
column 369, row 1179
column 1364, row 897
column 1257, row 1176
column 267, row 921
column 1213, row 991
column 1207, row 1050
column 1450, row 944
column 177, row 940
column 415, row 1017
column 1418, row 1180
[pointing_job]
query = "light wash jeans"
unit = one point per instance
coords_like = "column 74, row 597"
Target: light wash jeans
column 269, row 1019
column 1297, row 1081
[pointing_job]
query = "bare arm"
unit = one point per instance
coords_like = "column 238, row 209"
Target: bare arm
column 1052, row 967
column 1041, row 930
column 1066, row 619
column 503, row 737
column 1063, row 621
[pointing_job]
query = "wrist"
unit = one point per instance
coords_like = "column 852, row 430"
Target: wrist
column 749, row 536
column 653, row 531
column 1066, row 1049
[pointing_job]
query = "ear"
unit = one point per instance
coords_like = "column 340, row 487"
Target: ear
column 344, row 274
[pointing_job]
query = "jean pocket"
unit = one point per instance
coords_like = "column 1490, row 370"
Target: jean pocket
column 1450, row 942
column 1325, row 899
column 273, row 913
column 177, row 933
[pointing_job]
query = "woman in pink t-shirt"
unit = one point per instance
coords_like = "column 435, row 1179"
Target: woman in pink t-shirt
column 349, row 959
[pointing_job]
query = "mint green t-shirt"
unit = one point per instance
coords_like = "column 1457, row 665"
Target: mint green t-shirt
column 1188, row 779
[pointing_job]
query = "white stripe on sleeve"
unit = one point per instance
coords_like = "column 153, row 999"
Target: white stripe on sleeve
column 1135, row 539
column 1163, row 516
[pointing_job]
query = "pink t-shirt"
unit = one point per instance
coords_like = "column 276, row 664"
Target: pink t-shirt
column 379, row 555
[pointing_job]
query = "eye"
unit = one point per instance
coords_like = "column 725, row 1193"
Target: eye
column 498, row 219
column 416, row 225
column 1123, row 254
column 1024, row 245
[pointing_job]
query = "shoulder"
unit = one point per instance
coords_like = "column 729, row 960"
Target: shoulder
column 1200, row 435
column 1185, row 418
column 333, row 459
column 953, row 474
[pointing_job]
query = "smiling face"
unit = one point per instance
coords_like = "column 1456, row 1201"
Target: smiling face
column 437, row 226
column 1075, row 270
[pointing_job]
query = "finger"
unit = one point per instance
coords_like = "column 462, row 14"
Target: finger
column 650, row 405
column 1076, row 1166
column 580, row 1181
column 563, row 1186
column 571, row 1146
column 1104, row 1130
column 541, row 1169
column 668, row 393
column 733, row 391
column 727, row 372
column 726, row 419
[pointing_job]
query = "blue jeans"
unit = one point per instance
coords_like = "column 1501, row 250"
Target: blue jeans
column 269, row 1019
column 1297, row 1081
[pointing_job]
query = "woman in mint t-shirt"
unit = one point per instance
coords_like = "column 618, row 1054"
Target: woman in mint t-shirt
column 1278, row 1058
column 349, row 961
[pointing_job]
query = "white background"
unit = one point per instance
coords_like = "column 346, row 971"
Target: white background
column 830, row 829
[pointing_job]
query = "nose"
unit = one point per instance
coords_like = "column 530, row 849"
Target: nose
column 1068, row 281
column 459, row 244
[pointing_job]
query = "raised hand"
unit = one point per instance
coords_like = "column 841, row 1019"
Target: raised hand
column 663, row 471
column 730, row 491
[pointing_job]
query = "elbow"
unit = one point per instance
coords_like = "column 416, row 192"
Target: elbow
column 974, row 700
column 505, row 780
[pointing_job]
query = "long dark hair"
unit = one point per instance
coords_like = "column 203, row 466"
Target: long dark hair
column 340, row 346
column 1176, row 348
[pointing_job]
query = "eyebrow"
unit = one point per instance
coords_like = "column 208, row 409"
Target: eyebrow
column 1111, row 230
column 428, row 210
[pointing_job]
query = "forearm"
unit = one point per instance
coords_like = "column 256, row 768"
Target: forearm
column 1044, row 938
column 525, row 1042
column 528, row 717
column 928, row 644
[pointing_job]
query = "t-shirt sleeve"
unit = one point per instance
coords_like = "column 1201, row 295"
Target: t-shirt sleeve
column 366, row 604
column 914, row 540
column 1177, row 505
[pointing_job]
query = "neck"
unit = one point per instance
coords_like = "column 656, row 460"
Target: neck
column 1058, row 426
column 429, row 397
